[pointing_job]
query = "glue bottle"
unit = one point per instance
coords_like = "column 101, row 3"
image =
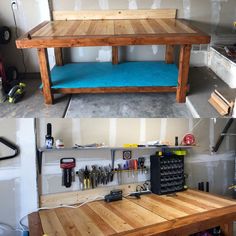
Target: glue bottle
column 49, row 140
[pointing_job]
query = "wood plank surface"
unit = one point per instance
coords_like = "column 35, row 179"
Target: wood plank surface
column 58, row 56
column 77, row 197
column 51, row 223
column 99, row 220
column 169, row 57
column 84, row 223
column 110, row 217
column 159, row 208
column 114, row 14
column 68, row 225
column 149, row 215
column 211, row 202
column 227, row 229
column 115, row 55
column 130, row 211
column 188, row 225
column 35, row 226
column 123, row 27
column 221, row 200
column 112, row 33
column 45, row 75
column 184, row 62
column 112, row 28
column 101, row 40
column 116, row 90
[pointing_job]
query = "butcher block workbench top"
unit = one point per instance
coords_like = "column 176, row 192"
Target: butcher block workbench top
column 182, row 214
column 112, row 33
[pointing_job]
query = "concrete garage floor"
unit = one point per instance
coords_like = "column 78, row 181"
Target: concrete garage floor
column 126, row 105
column 32, row 104
column 202, row 81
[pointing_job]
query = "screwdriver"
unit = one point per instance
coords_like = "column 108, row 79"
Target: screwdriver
column 141, row 161
column 135, row 167
column 86, row 178
column 126, row 166
column 131, row 167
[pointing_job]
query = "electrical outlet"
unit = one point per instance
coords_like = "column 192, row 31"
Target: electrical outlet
column 14, row 4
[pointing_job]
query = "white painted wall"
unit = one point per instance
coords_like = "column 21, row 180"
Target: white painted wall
column 116, row 132
column 201, row 164
column 112, row 132
column 28, row 15
column 18, row 176
column 223, row 67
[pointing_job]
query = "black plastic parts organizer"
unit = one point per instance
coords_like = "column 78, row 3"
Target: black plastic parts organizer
column 167, row 174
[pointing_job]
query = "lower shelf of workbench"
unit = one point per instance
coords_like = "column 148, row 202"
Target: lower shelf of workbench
column 92, row 75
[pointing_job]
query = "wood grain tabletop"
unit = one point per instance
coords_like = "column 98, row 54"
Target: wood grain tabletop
column 186, row 212
column 63, row 33
column 112, row 27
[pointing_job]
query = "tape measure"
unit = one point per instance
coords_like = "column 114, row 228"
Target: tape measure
column 188, row 140
column 5, row 35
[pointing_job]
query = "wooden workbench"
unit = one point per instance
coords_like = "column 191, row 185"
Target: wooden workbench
column 114, row 28
column 184, row 214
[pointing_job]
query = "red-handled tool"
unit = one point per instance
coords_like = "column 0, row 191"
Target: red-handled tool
column 135, row 165
column 67, row 165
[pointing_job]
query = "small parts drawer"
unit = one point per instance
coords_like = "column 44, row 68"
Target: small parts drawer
column 167, row 174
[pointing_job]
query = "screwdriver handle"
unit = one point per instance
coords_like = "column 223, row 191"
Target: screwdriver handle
column 135, row 164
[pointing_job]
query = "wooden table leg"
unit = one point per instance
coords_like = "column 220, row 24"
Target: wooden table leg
column 184, row 62
column 35, row 225
column 45, row 75
column 227, row 229
column 58, row 56
column 169, row 54
column 115, row 55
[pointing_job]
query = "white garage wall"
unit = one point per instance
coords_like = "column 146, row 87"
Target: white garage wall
column 18, row 188
column 201, row 164
column 28, row 15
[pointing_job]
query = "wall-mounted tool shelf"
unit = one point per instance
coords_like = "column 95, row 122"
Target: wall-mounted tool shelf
column 112, row 150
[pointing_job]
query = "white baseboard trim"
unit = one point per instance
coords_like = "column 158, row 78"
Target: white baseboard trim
column 192, row 108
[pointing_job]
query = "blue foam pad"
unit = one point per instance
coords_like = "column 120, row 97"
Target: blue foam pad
column 104, row 74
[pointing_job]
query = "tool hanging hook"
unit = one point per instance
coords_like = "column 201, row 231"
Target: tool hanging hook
column 11, row 146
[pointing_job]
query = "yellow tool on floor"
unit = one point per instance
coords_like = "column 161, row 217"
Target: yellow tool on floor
column 16, row 93
column 232, row 187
